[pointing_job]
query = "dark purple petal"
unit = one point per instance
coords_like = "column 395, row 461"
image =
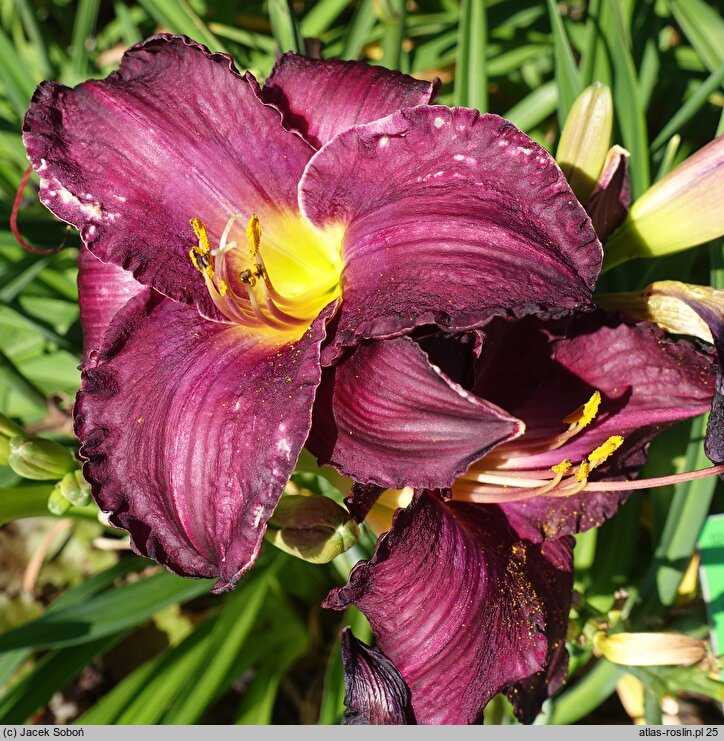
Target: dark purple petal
column 190, row 430
column 554, row 585
column 176, row 133
column 361, row 499
column 374, row 691
column 320, row 98
column 458, row 604
column 451, row 218
column 541, row 372
column 103, row 289
column 611, row 198
column 386, row 416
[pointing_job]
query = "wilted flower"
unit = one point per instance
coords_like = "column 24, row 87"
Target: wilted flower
column 249, row 218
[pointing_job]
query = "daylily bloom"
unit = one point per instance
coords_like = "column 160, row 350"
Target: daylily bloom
column 469, row 591
column 334, row 205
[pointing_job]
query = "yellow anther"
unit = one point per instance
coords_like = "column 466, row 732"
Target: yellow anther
column 202, row 235
column 586, row 413
column 253, row 234
column 605, row 450
column 582, row 473
column 563, row 467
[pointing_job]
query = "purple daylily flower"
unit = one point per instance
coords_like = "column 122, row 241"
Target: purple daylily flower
column 226, row 225
column 468, row 593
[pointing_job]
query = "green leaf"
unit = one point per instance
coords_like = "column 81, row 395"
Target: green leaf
column 535, row 107
column 595, row 65
column 394, row 20
column 52, row 673
column 471, row 80
column 321, row 16
column 687, row 512
column 179, row 16
column 359, row 29
column 11, row 377
column 11, row 660
column 568, row 78
column 627, row 99
column 703, row 27
column 225, row 641
column 104, row 614
column 86, row 17
column 17, row 81
column 690, row 108
column 284, row 27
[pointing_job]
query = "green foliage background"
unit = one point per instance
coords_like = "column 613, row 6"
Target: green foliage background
column 91, row 637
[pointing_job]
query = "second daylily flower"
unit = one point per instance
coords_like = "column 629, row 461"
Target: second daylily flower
column 248, row 218
column 469, row 591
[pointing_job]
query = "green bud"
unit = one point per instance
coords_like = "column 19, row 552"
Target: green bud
column 682, row 210
column 8, row 429
column 57, row 503
column 39, row 459
column 315, row 529
column 74, row 488
column 585, row 139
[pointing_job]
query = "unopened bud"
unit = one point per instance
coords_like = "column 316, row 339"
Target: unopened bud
column 315, row 529
column 649, row 649
column 8, row 429
column 585, row 139
column 57, row 503
column 74, row 488
column 682, row 210
column 39, row 459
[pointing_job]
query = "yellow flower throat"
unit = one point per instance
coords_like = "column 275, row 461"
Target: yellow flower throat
column 282, row 291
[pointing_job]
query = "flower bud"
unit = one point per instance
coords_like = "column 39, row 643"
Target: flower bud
column 39, row 459
column 668, row 304
column 8, row 429
column 682, row 210
column 585, row 139
column 315, row 529
column 649, row 649
column 74, row 488
column 57, row 503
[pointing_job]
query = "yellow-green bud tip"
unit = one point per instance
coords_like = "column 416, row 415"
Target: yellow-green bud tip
column 682, row 210
column 585, row 139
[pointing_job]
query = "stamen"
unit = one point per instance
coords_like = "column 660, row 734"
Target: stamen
column 604, row 451
column 258, row 303
column 586, row 413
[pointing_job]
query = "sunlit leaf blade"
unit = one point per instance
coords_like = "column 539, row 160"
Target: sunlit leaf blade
column 627, row 99
column 358, row 30
column 471, row 80
column 284, row 27
column 703, row 27
column 690, row 108
column 104, row 614
column 179, row 17
column 568, row 78
column 53, row 672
